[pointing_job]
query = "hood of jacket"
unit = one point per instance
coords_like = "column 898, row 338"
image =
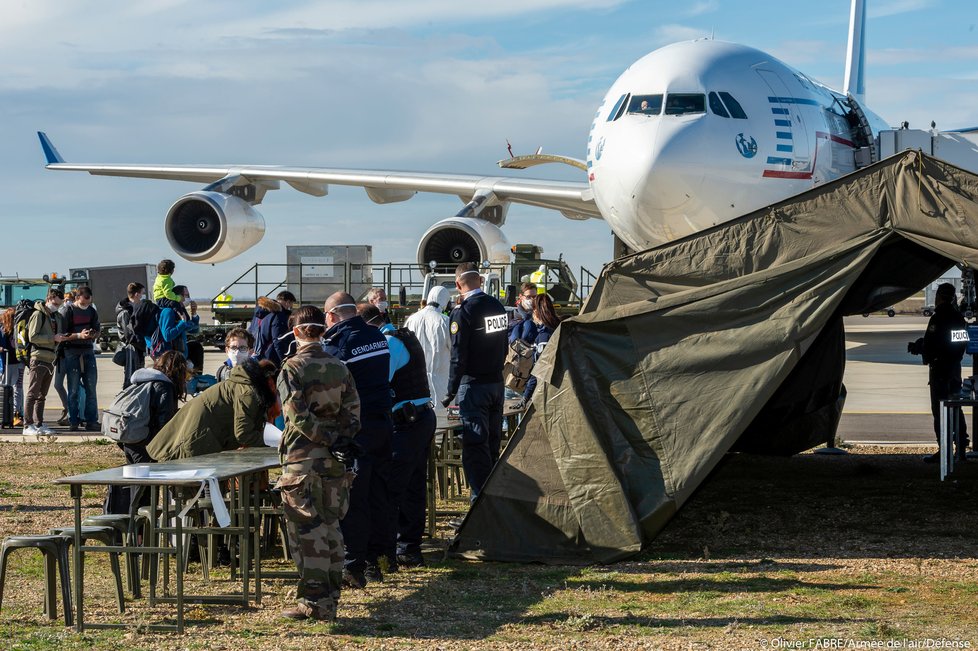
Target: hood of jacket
column 42, row 307
column 268, row 305
column 149, row 375
column 252, row 374
column 125, row 305
column 439, row 295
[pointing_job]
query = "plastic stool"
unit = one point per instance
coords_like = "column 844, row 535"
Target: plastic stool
column 55, row 551
column 106, row 536
column 124, row 535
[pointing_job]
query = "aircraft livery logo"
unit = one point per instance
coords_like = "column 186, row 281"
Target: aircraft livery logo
column 599, row 150
column 746, row 146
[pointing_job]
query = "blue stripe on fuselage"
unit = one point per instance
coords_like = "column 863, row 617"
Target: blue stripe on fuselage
column 792, row 100
column 784, row 135
column 774, row 160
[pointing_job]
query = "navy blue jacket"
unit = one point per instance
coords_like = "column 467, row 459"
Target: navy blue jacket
column 364, row 349
column 539, row 343
column 479, row 342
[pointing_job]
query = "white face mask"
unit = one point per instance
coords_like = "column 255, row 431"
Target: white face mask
column 237, row 357
column 52, row 307
column 381, row 305
column 527, row 304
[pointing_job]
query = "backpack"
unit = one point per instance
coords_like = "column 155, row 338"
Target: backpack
column 145, row 319
column 158, row 344
column 22, row 341
column 127, row 418
column 519, row 363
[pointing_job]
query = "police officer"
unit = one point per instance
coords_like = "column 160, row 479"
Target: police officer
column 365, row 351
column 414, row 429
column 479, row 344
column 942, row 348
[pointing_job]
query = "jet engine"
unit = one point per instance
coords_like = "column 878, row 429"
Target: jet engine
column 463, row 239
column 206, row 226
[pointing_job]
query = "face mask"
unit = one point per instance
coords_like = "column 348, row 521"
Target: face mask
column 238, row 357
column 381, row 305
column 527, row 304
column 52, row 307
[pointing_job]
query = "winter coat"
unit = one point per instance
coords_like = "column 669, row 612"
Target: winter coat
column 41, row 329
column 274, row 325
column 228, row 415
column 430, row 325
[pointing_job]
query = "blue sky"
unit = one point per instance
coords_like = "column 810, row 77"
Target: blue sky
column 430, row 85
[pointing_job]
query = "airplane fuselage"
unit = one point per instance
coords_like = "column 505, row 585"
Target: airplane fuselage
column 697, row 133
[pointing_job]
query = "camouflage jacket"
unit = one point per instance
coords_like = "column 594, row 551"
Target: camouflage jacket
column 320, row 404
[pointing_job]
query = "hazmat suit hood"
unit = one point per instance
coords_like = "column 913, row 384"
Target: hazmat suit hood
column 439, row 295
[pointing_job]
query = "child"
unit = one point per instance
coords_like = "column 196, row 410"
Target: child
column 163, row 285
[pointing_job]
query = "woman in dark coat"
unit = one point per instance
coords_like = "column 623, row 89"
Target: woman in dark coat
column 167, row 386
column 226, row 416
column 546, row 321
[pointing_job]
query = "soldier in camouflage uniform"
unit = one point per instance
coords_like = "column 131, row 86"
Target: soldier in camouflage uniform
column 320, row 404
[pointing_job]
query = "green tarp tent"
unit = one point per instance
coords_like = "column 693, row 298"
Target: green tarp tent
column 728, row 339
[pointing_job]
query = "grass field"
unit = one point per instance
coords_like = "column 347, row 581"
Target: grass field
column 770, row 553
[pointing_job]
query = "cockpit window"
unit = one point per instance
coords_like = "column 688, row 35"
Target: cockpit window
column 683, row 103
column 733, row 106
column 717, row 106
column 645, row 104
column 618, row 109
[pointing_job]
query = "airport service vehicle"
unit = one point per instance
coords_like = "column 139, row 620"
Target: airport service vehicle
column 692, row 135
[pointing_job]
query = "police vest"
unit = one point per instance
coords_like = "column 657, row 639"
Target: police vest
column 410, row 382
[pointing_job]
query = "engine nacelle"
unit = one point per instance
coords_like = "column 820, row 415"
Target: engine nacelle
column 463, row 239
column 208, row 226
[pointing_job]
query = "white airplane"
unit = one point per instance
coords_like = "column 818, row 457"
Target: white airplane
column 692, row 135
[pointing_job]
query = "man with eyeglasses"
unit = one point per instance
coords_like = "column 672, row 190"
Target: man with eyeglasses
column 239, row 346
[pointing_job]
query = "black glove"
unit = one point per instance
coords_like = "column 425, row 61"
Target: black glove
column 448, row 400
column 916, row 347
column 346, row 450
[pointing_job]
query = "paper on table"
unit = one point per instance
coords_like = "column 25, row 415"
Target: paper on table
column 272, row 435
column 181, row 474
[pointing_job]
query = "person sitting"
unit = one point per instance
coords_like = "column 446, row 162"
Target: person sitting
column 228, row 415
column 239, row 346
column 523, row 326
column 168, row 386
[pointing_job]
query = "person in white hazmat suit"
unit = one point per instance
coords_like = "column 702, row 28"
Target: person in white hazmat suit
column 430, row 325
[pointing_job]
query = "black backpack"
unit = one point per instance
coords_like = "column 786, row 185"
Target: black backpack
column 145, row 319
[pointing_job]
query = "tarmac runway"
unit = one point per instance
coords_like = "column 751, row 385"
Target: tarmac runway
column 887, row 400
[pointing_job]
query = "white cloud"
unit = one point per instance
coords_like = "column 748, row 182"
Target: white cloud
column 895, row 7
column 665, row 34
column 702, row 7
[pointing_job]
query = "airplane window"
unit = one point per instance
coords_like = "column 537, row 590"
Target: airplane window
column 717, row 106
column 619, row 108
column 733, row 106
column 682, row 103
column 645, row 104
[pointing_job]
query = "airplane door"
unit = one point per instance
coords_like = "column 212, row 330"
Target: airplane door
column 787, row 119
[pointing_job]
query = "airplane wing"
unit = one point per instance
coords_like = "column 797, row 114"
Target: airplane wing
column 573, row 200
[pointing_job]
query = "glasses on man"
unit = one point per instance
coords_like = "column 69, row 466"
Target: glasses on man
column 235, row 349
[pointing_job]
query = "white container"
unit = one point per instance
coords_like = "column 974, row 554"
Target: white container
column 135, row 471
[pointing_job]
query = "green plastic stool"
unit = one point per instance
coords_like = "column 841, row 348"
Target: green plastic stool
column 106, row 536
column 55, row 551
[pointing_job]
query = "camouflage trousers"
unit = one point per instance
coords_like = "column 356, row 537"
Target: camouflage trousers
column 314, row 502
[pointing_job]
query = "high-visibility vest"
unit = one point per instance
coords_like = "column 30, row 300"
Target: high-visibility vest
column 537, row 278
